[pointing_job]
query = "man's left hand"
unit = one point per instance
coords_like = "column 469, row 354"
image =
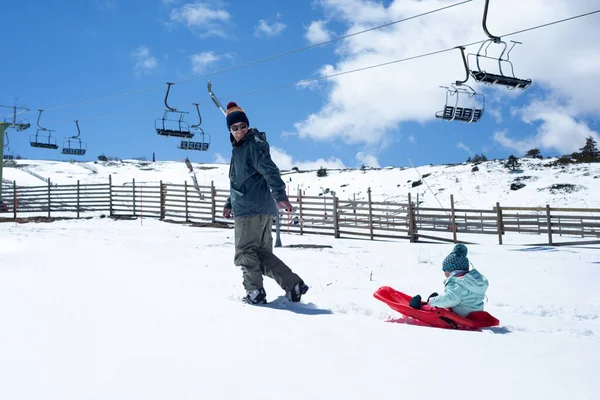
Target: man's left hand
column 285, row 204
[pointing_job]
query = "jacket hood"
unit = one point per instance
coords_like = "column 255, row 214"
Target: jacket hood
column 472, row 281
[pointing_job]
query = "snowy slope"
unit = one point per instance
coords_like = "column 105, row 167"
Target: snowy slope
column 481, row 189
column 103, row 309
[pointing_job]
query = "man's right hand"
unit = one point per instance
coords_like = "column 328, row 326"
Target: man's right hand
column 226, row 212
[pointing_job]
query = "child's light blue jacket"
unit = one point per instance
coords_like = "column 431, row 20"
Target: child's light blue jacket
column 463, row 294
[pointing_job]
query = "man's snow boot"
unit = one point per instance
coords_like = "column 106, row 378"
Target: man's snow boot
column 297, row 291
column 256, row 296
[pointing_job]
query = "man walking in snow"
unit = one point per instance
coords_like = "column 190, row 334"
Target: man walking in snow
column 254, row 183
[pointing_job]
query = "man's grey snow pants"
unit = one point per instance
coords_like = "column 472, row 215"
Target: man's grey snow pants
column 254, row 253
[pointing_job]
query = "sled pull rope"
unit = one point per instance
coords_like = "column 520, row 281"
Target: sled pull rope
column 370, row 275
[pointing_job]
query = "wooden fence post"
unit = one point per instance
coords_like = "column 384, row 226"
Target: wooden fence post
column 300, row 211
column 49, row 200
column 15, row 201
column 549, row 219
column 411, row 220
column 133, row 194
column 162, row 201
column 559, row 227
column 499, row 226
column 213, row 193
column 213, row 201
column 336, row 226
column 185, row 195
column 78, row 198
column 110, row 197
column 370, row 213
column 453, row 218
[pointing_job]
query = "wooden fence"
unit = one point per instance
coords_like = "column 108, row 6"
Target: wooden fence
column 325, row 214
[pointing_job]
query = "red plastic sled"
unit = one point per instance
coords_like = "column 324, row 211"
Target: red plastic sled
column 439, row 318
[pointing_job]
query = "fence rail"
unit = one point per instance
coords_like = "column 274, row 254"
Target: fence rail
column 312, row 214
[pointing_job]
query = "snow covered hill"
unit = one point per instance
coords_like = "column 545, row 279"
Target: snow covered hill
column 573, row 185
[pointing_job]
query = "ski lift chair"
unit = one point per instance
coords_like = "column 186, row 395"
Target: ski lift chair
column 22, row 125
column 502, row 78
column 176, row 127
column 468, row 105
column 76, row 150
column 8, row 154
column 459, row 109
column 508, row 79
column 202, row 145
column 48, row 142
column 196, row 145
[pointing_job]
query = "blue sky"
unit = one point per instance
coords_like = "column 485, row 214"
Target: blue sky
column 65, row 53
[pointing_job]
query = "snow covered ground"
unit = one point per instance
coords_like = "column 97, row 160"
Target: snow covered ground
column 142, row 309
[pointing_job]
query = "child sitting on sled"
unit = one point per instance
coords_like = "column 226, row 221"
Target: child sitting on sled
column 464, row 290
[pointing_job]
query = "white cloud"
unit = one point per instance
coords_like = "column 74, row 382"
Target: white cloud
column 495, row 113
column 562, row 60
column 464, row 147
column 107, row 4
column 285, row 161
column 203, row 17
column 315, row 83
column 520, row 145
column 219, row 159
column 557, row 130
column 317, row 32
column 270, row 30
column 145, row 62
column 356, row 11
column 201, row 61
column 311, row 85
column 367, row 159
column 412, row 139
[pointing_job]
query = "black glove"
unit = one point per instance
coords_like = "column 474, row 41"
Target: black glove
column 415, row 302
column 432, row 295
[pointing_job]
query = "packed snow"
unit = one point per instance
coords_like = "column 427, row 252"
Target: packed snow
column 144, row 309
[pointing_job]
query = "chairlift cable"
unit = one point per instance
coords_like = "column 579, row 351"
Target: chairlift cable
column 553, row 23
column 319, row 78
column 269, row 58
column 323, row 43
column 539, row 26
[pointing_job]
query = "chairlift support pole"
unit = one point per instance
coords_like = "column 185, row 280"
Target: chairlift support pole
column 167, row 97
column 3, row 127
column 38, row 121
column 496, row 39
column 464, row 58
column 199, row 116
column 17, row 126
column 78, row 130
